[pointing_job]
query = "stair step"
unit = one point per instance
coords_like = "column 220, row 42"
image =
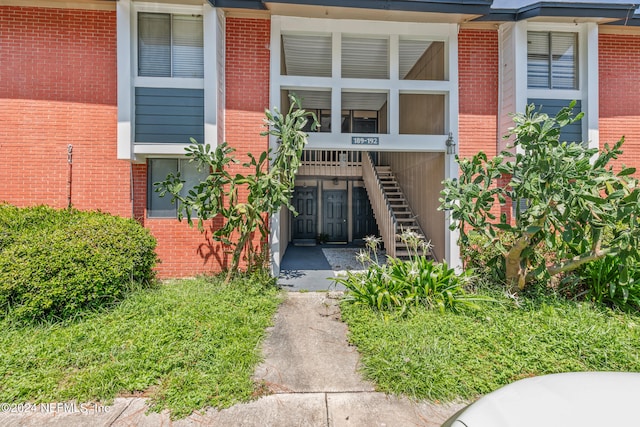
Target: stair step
column 406, row 219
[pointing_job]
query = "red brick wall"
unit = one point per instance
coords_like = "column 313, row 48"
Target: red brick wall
column 478, row 91
column 478, row 94
column 183, row 250
column 58, row 87
column 247, row 84
column 619, row 68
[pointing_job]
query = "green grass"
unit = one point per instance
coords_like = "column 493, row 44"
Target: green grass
column 186, row 345
column 449, row 356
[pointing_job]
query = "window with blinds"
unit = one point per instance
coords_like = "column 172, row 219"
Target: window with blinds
column 170, row 45
column 158, row 170
column 552, row 60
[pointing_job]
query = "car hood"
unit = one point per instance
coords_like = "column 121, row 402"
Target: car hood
column 581, row 399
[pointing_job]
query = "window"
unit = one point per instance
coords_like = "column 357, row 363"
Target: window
column 552, row 60
column 170, row 45
column 161, row 207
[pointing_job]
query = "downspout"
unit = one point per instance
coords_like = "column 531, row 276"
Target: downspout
column 70, row 174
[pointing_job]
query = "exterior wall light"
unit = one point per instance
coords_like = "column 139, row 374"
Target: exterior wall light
column 451, row 144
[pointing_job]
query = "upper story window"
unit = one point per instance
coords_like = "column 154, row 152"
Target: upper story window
column 170, row 45
column 552, row 60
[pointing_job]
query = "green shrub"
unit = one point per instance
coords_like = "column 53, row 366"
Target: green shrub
column 405, row 284
column 605, row 281
column 56, row 264
column 483, row 256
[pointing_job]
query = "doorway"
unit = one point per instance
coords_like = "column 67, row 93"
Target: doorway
column 305, row 202
column 334, row 218
column 364, row 223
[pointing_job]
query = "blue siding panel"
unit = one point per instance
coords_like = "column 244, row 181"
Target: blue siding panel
column 165, row 115
column 570, row 133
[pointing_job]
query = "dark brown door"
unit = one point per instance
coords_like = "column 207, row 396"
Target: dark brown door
column 334, row 209
column 305, row 202
column 364, row 223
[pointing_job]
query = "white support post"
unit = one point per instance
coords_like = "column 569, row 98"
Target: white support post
column 125, row 93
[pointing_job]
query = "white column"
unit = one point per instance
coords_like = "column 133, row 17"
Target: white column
column 125, row 93
column 590, row 100
column 210, row 22
column 274, row 97
column 452, row 250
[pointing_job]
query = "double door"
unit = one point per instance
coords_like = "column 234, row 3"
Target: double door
column 334, row 218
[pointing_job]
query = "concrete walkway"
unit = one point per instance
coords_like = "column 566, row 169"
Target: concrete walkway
column 309, row 367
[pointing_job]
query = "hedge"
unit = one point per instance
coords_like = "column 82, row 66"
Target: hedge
column 57, row 264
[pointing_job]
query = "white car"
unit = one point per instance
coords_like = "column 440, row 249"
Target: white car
column 580, row 399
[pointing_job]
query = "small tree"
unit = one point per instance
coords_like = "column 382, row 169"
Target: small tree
column 267, row 187
column 575, row 205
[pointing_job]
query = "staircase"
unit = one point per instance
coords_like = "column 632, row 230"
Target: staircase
column 390, row 206
column 399, row 207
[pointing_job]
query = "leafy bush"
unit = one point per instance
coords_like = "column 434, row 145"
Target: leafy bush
column 573, row 196
column 607, row 282
column 55, row 264
column 405, row 284
column 484, row 258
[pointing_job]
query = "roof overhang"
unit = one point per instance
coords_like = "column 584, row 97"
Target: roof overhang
column 459, row 7
column 585, row 12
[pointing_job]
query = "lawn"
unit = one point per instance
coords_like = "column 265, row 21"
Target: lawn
column 448, row 356
column 186, row 345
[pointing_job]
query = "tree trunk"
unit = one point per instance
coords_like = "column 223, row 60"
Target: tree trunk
column 515, row 273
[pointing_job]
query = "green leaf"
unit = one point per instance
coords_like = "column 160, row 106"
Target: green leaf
column 627, row 172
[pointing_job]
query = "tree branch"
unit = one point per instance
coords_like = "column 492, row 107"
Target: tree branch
column 577, row 261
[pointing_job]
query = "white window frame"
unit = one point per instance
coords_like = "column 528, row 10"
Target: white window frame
column 549, row 56
column 581, row 48
column 587, row 91
column 180, row 162
column 128, row 79
column 162, row 82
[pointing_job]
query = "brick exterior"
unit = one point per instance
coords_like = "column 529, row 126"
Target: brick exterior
column 478, row 91
column 58, row 87
column 183, row 250
column 247, row 84
column 478, row 95
column 619, row 68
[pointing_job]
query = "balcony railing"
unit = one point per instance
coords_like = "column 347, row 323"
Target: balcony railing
column 334, row 163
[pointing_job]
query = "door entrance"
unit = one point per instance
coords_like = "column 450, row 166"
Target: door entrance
column 364, row 223
column 305, row 202
column 334, row 210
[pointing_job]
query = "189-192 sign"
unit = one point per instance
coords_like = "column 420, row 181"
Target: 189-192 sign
column 365, row 140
